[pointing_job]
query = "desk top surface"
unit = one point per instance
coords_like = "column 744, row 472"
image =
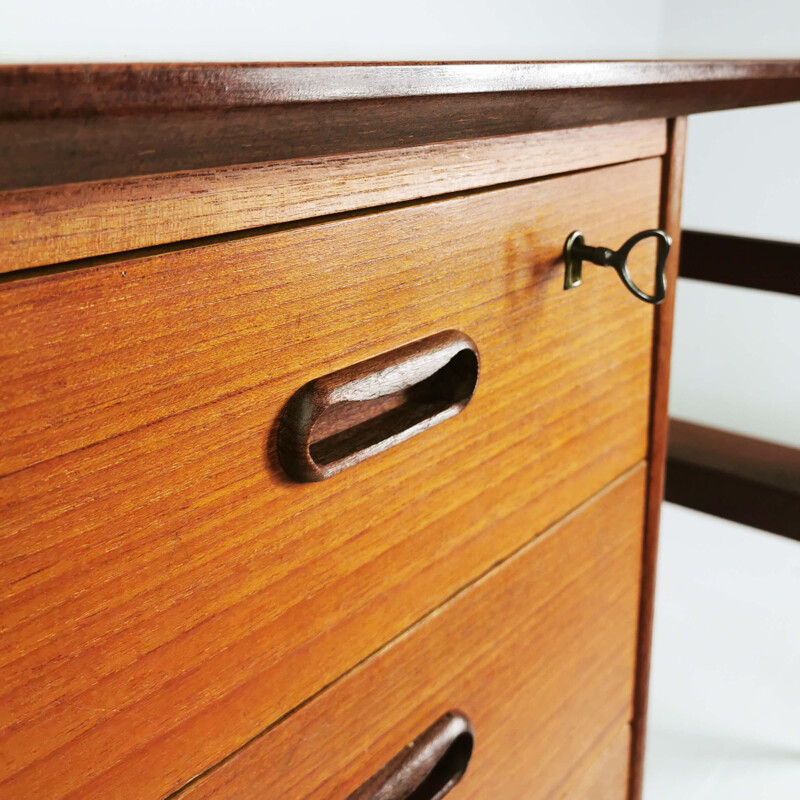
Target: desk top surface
column 76, row 123
column 55, row 90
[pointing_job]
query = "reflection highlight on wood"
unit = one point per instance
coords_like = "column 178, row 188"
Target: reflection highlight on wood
column 661, row 341
column 75, row 124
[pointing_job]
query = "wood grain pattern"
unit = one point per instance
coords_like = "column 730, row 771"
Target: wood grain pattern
column 77, row 220
column 741, row 261
column 163, row 583
column 539, row 654
column 605, row 773
column 82, row 124
column 670, row 221
column 735, row 477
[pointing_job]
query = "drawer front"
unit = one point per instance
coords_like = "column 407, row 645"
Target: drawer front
column 89, row 217
column 164, row 582
column 539, row 654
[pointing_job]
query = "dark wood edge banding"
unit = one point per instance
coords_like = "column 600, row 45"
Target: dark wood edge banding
column 341, row 419
column 741, row 261
column 90, row 89
column 735, row 477
column 68, row 124
column 671, row 186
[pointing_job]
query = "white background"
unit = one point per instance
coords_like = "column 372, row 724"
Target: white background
column 724, row 688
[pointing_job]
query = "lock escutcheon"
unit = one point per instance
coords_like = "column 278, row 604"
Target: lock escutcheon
column 576, row 252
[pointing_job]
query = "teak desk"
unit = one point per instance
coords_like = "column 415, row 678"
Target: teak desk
column 232, row 296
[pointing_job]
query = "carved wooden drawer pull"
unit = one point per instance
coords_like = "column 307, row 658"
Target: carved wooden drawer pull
column 426, row 769
column 342, row 418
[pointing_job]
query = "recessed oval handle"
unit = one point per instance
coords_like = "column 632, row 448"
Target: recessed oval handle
column 340, row 419
column 428, row 768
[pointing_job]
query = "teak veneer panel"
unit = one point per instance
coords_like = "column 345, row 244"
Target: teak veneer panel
column 539, row 654
column 56, row 224
column 604, row 774
column 164, row 584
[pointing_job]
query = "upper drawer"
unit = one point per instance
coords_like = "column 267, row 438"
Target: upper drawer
column 164, row 582
column 86, row 216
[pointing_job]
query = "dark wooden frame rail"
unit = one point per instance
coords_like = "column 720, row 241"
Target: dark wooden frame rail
column 741, row 261
column 736, row 477
column 728, row 475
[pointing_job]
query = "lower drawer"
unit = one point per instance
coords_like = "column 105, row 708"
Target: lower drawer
column 539, row 654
